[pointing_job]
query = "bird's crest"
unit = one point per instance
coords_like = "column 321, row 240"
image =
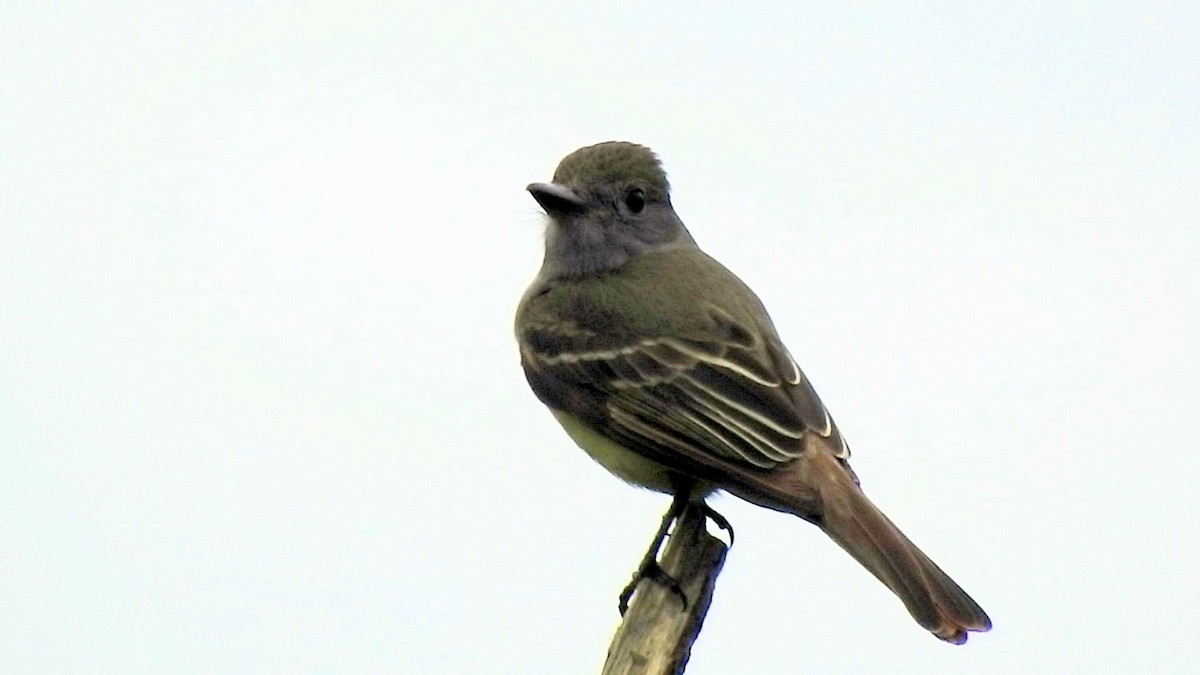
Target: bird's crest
column 614, row 163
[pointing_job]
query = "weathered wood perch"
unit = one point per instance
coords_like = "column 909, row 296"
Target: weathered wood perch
column 656, row 635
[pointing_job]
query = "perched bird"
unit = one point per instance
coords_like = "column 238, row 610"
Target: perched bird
column 667, row 370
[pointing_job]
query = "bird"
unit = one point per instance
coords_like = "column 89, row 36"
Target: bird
column 667, row 369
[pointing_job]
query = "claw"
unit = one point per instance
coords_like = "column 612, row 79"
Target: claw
column 720, row 520
column 651, row 570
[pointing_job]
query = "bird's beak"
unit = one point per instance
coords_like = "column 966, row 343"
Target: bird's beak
column 557, row 199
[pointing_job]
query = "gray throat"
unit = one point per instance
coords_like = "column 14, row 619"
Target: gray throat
column 582, row 248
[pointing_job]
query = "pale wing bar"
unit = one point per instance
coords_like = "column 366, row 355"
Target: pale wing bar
column 717, row 394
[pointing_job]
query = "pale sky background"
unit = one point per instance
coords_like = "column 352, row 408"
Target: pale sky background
column 260, row 404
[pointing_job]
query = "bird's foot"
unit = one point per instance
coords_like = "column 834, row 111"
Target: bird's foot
column 720, row 520
column 650, row 569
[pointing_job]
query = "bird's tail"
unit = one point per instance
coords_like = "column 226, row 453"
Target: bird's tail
column 932, row 597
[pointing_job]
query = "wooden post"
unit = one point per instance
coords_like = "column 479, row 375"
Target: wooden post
column 656, row 635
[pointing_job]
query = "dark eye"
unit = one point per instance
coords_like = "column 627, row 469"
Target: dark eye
column 636, row 200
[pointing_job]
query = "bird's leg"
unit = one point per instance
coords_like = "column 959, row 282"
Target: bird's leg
column 649, row 567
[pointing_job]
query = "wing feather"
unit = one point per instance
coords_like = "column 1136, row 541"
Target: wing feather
column 733, row 392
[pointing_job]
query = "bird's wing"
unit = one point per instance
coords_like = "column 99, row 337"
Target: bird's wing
column 729, row 388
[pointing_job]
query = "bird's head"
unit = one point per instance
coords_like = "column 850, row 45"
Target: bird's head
column 607, row 204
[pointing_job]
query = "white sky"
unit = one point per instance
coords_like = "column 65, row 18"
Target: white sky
column 260, row 406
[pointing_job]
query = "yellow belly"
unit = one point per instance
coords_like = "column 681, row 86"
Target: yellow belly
column 622, row 462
